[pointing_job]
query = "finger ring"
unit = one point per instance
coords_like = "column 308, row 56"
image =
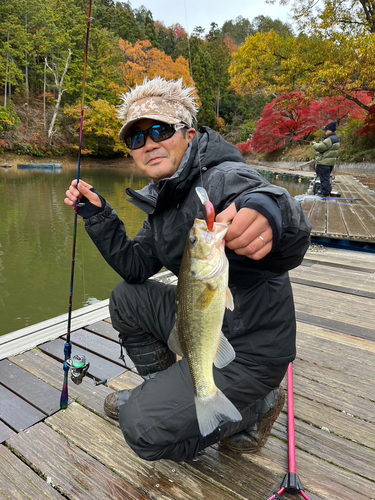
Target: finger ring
column 261, row 237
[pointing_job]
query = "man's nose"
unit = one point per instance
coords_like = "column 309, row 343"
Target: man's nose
column 150, row 144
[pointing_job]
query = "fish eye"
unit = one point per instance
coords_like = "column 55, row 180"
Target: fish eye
column 193, row 240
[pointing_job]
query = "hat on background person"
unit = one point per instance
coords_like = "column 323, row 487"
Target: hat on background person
column 332, row 126
column 158, row 99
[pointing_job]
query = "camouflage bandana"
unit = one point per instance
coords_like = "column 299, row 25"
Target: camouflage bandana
column 162, row 109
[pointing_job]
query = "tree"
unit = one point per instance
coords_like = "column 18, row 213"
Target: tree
column 266, row 24
column 165, row 36
column 59, row 81
column 141, row 59
column 294, row 117
column 120, row 19
column 269, row 63
column 150, row 31
column 344, row 14
column 204, row 78
column 100, row 128
column 238, row 30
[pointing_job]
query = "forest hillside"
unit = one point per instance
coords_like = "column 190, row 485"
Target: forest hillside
column 266, row 86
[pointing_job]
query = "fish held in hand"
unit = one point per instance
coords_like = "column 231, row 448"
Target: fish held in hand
column 202, row 296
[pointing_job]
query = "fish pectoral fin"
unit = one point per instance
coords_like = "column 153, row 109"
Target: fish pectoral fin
column 205, row 298
column 174, row 342
column 229, row 303
column 225, row 353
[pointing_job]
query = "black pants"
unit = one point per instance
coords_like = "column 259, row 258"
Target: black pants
column 324, row 174
column 159, row 419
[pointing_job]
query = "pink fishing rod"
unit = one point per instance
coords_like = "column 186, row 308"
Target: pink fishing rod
column 291, row 483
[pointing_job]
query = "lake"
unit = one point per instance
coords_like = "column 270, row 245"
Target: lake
column 36, row 238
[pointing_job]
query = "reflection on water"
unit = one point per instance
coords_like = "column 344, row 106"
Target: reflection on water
column 36, row 237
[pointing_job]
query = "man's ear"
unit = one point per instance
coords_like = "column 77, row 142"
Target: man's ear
column 190, row 134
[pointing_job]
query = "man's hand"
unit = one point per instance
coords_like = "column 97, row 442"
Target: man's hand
column 250, row 233
column 73, row 194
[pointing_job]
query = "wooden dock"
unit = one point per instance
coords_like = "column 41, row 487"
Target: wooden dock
column 351, row 218
column 79, row 453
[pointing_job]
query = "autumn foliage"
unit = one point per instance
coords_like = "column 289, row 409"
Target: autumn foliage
column 294, row 117
column 142, row 59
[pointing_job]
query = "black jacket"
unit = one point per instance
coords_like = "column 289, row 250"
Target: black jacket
column 262, row 326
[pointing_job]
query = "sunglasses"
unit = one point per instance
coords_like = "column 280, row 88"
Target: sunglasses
column 158, row 133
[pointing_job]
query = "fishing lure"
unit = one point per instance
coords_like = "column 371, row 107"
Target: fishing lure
column 208, row 208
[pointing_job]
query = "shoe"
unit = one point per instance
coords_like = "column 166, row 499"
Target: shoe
column 113, row 402
column 252, row 439
column 150, row 357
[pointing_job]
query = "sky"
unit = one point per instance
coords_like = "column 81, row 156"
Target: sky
column 192, row 13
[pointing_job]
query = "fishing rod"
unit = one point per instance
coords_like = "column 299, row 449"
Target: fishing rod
column 291, row 483
column 77, row 363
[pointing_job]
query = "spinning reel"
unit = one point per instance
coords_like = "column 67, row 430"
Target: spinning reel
column 78, row 366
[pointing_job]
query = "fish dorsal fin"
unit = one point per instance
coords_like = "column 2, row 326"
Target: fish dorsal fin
column 174, row 342
column 225, row 353
column 229, row 303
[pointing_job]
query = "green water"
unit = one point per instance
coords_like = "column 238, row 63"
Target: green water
column 36, row 237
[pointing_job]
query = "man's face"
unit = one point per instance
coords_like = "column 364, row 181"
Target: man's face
column 160, row 160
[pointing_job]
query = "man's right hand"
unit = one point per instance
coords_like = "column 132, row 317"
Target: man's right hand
column 75, row 193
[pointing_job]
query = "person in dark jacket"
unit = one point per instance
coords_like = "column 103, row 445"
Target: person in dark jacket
column 328, row 150
column 268, row 236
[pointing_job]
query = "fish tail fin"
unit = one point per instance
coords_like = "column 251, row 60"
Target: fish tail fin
column 211, row 412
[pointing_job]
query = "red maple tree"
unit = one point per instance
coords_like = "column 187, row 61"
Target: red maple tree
column 294, row 117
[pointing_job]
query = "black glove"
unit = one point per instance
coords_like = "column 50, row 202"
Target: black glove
column 87, row 209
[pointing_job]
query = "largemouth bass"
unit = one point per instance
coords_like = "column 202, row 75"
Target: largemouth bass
column 202, row 296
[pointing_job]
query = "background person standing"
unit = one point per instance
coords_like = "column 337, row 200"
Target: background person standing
column 328, row 150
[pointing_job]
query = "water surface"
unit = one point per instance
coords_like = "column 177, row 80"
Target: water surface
column 36, row 237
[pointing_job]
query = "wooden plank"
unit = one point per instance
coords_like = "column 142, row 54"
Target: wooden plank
column 105, row 329
column 127, row 380
column 309, row 261
column 318, row 217
column 335, row 223
column 355, row 347
column 161, row 479
column 367, row 219
column 317, row 346
column 108, row 349
column 348, row 313
column 17, row 413
column 333, row 378
column 318, row 476
column 342, row 280
column 307, row 206
column 19, row 482
column 5, row 432
column 321, row 480
column 341, row 401
column 335, row 422
column 100, row 368
column 340, row 257
column 33, row 390
column 31, row 336
column 347, row 454
column 355, row 227
column 50, row 371
column 338, row 326
column 73, row 472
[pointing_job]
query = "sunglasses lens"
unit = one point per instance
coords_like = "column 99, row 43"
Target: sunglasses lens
column 158, row 133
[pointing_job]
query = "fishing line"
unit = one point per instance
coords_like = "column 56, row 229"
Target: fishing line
column 188, row 40
column 68, row 345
